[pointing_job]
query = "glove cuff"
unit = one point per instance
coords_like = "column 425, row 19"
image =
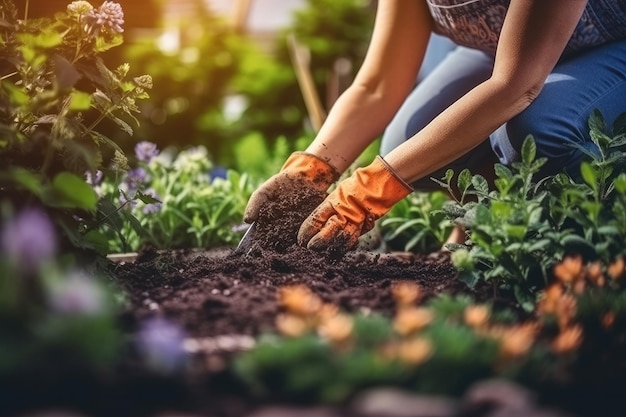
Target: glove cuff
column 395, row 175
column 312, row 168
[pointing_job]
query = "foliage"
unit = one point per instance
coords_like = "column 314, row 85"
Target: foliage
column 194, row 63
column 512, row 238
column 332, row 30
column 55, row 92
column 596, row 206
column 209, row 65
column 518, row 231
column 177, row 199
column 417, row 223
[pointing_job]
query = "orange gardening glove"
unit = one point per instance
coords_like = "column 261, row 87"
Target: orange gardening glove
column 300, row 170
column 352, row 208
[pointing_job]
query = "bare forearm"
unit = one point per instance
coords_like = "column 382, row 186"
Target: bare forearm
column 460, row 128
column 356, row 119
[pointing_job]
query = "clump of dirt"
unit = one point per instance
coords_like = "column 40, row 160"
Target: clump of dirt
column 279, row 220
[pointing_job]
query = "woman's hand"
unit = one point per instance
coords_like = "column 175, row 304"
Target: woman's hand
column 353, row 207
column 300, row 170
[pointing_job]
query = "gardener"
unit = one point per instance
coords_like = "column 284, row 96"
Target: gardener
column 521, row 67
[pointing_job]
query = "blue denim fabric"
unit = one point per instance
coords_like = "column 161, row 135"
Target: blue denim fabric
column 557, row 118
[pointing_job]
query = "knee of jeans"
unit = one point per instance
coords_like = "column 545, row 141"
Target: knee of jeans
column 565, row 150
column 555, row 138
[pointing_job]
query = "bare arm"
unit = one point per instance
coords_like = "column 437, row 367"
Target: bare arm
column 388, row 73
column 534, row 35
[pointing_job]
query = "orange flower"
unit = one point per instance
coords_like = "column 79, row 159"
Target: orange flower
column 415, row 351
column 299, row 299
column 565, row 310
column 327, row 312
column 411, row 319
column 337, row 329
column 549, row 299
column 518, row 340
column 568, row 340
column 476, row 316
column 569, row 269
column 595, row 275
column 291, row 325
column 616, row 269
column 405, row 293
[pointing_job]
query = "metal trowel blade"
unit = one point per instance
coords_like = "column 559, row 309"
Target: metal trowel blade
column 246, row 241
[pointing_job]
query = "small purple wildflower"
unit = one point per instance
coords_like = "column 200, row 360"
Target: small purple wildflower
column 135, row 177
column 145, row 151
column 161, row 343
column 152, row 207
column 109, row 17
column 94, row 178
column 29, row 240
column 76, row 294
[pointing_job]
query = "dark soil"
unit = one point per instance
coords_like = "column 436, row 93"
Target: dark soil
column 223, row 292
column 221, row 295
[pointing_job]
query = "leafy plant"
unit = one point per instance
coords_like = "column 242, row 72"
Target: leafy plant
column 417, row 223
column 54, row 93
column 513, row 241
column 595, row 207
column 178, row 201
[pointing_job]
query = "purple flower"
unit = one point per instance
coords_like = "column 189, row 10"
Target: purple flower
column 152, row 208
column 145, row 151
column 76, row 294
column 94, row 178
column 29, row 240
column 135, row 177
column 160, row 341
column 109, row 17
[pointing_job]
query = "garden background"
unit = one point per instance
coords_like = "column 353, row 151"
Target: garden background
column 131, row 137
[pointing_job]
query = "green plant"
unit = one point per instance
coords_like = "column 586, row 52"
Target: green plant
column 518, row 231
column 596, row 206
column 54, row 93
column 417, row 223
column 513, row 241
column 182, row 204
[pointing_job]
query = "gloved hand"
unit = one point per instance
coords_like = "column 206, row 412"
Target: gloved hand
column 353, row 207
column 301, row 169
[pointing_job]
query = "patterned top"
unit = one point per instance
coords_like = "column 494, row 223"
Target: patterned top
column 477, row 23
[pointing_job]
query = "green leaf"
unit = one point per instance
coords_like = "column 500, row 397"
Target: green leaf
column 464, row 180
column 103, row 44
column 146, row 198
column 71, row 191
column 596, row 121
column 470, row 278
column 589, row 174
column 80, row 101
column 618, row 141
column 26, row 179
column 17, row 95
column 480, row 184
column 529, row 150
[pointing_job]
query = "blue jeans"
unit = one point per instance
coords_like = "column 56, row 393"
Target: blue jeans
column 556, row 119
